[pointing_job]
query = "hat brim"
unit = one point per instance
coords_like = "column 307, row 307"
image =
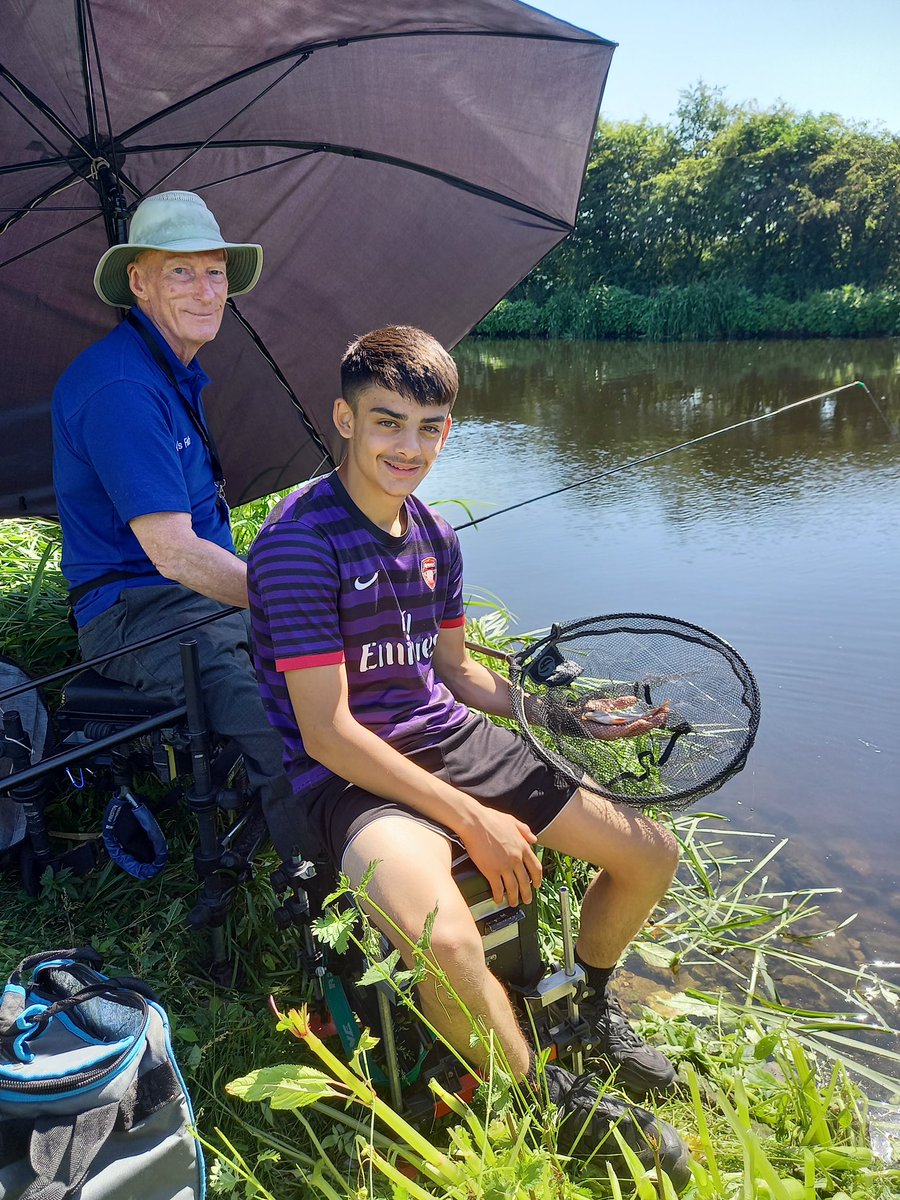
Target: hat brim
column 242, row 267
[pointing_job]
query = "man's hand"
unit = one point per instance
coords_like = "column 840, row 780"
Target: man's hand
column 500, row 847
column 607, row 720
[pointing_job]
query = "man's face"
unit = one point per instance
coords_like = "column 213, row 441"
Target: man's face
column 182, row 294
column 391, row 442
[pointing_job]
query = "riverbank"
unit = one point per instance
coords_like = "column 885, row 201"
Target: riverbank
column 769, row 1032
column 696, row 312
column 769, row 1100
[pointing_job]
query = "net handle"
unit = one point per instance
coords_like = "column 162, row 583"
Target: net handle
column 500, row 655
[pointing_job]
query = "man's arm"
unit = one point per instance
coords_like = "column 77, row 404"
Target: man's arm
column 498, row 844
column 169, row 541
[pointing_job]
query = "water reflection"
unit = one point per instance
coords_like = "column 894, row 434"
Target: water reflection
column 639, row 398
column 781, row 537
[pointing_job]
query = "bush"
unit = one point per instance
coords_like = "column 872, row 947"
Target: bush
column 717, row 310
column 514, row 318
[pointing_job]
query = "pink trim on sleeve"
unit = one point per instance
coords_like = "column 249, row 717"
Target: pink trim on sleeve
column 303, row 661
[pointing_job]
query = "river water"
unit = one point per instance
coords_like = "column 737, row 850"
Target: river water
column 781, row 537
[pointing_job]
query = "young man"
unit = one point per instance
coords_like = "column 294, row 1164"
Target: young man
column 358, row 627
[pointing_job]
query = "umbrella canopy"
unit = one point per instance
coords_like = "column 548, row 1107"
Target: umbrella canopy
column 399, row 162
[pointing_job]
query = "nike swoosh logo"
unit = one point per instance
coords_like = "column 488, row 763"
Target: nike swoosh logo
column 362, row 584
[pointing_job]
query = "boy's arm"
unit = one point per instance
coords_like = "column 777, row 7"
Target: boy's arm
column 479, row 687
column 472, row 683
column 498, row 844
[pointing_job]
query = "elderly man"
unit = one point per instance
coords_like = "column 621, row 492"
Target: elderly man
column 147, row 543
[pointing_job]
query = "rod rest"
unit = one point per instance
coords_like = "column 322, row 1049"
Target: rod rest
column 90, row 697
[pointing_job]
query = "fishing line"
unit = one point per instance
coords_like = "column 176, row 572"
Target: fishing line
column 637, row 462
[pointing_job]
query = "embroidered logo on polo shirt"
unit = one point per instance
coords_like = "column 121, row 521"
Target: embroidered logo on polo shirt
column 429, row 571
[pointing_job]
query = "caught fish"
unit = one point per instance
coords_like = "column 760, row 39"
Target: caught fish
column 622, row 716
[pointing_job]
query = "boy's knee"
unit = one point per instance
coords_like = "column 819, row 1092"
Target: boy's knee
column 664, row 852
column 456, row 947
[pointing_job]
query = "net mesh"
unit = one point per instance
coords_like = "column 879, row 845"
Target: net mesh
column 708, row 730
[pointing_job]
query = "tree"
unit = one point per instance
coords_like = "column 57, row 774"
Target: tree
column 770, row 199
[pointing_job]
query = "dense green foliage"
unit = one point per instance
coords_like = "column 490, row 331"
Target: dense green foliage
column 715, row 311
column 729, row 221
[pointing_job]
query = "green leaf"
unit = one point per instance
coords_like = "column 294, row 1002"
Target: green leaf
column 843, row 1158
column 334, row 928
column 380, row 972
column 654, row 954
column 285, row 1087
column 765, row 1046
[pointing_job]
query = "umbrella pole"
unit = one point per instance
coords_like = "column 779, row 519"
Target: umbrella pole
column 115, row 210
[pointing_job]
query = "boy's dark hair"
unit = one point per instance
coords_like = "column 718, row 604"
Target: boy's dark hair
column 401, row 359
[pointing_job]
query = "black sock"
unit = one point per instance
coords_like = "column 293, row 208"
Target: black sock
column 597, row 977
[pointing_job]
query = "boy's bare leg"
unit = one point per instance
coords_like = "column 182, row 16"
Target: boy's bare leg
column 411, row 880
column 637, row 860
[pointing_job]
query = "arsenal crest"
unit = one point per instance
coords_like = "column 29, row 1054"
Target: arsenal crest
column 429, row 570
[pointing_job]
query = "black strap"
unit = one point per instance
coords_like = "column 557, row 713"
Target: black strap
column 166, row 367
column 83, row 954
column 82, row 589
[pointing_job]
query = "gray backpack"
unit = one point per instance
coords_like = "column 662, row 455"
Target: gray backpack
column 92, row 1104
column 28, row 709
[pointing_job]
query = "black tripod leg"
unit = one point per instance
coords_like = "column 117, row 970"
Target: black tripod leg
column 210, row 910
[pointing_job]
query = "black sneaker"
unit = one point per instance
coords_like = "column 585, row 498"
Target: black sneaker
column 587, row 1119
column 636, row 1067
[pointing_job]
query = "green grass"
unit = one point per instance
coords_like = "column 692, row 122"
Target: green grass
column 764, row 1113
column 34, row 626
column 778, row 1037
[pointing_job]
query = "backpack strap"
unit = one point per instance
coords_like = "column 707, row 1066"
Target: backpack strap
column 12, row 1000
column 63, row 1148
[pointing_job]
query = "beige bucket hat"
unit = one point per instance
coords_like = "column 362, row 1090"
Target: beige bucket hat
column 181, row 223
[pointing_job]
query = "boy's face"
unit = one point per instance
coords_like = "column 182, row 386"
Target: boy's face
column 391, row 442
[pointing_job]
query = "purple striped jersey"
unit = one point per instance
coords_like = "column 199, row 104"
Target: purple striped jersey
column 328, row 586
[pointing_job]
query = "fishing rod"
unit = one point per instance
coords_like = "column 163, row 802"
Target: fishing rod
column 704, row 437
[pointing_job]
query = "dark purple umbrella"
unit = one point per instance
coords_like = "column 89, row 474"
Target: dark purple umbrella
column 399, row 162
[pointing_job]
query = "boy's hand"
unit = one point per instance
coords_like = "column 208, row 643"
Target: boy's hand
column 606, row 720
column 500, row 847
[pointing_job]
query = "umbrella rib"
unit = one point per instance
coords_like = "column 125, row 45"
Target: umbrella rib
column 39, row 164
column 282, row 379
column 591, row 39
column 45, row 109
column 282, row 162
column 89, row 105
column 372, row 156
column 53, row 190
column 101, row 80
column 208, row 141
column 48, row 241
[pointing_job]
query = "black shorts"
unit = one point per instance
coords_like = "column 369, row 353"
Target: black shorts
column 480, row 758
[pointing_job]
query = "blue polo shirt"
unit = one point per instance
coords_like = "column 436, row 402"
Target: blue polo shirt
column 124, row 445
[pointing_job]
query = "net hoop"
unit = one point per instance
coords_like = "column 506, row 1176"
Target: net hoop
column 537, row 658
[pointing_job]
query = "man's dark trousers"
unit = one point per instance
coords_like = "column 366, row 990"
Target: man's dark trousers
column 230, row 692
